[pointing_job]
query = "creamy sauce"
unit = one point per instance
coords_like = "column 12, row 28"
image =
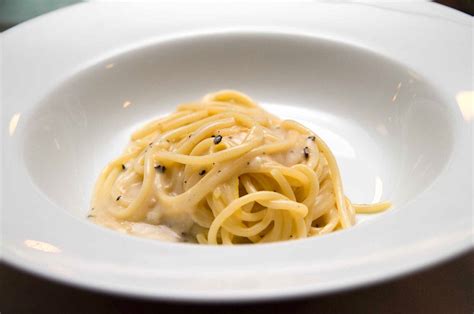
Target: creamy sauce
column 140, row 229
column 176, row 226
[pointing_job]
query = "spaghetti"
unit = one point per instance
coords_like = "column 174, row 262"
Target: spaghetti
column 224, row 171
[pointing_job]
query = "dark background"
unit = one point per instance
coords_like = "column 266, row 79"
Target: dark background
column 466, row 6
column 445, row 288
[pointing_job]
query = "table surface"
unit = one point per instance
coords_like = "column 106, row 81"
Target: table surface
column 445, row 288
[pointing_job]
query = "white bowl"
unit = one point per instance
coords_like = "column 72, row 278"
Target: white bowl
column 396, row 133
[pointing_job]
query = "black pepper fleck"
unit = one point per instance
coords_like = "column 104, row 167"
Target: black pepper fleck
column 160, row 168
column 90, row 216
column 312, row 137
column 202, row 172
column 123, row 167
column 217, row 139
column 213, row 135
column 118, row 198
column 306, row 152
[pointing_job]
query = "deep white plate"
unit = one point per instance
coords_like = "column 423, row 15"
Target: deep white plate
column 388, row 86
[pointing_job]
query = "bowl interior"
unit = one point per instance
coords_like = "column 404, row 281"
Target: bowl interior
column 386, row 126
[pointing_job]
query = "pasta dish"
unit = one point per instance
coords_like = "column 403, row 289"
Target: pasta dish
column 224, row 171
